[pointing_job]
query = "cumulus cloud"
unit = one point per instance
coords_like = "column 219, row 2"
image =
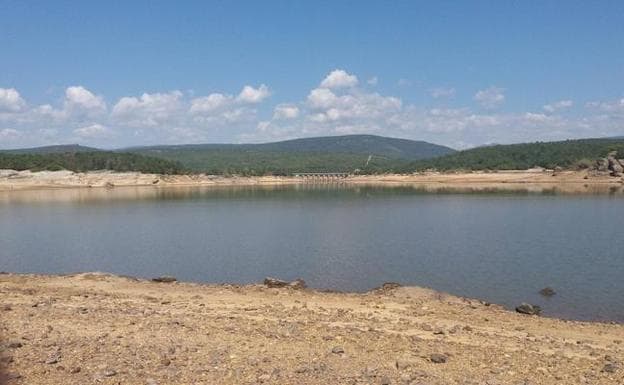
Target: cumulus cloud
column 490, row 98
column 338, row 105
column 95, row 130
column 10, row 100
column 253, row 95
column 78, row 97
column 339, row 79
column 557, row 106
column 285, row 111
column 442, row 92
column 148, row 110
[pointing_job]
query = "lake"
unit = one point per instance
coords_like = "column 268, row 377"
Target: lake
column 501, row 247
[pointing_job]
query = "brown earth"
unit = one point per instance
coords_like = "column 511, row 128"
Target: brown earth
column 537, row 179
column 98, row 328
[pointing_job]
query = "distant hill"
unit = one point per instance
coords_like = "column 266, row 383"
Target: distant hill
column 566, row 154
column 321, row 154
column 56, row 149
column 87, row 161
column 392, row 148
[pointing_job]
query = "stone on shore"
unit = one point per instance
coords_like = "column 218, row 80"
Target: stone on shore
column 527, row 308
column 164, row 279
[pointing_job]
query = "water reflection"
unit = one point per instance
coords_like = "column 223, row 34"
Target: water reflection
column 93, row 195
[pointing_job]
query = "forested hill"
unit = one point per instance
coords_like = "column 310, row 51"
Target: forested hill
column 87, row 161
column 368, row 153
column 392, row 148
column 55, row 149
column 566, row 154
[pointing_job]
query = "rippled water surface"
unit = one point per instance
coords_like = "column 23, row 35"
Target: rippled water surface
column 501, row 247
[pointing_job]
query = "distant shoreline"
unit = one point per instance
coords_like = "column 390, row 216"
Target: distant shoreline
column 564, row 181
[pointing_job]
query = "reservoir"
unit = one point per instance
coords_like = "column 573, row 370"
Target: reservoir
column 498, row 246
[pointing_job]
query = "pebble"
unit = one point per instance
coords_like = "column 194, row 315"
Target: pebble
column 338, row 350
column 53, row 358
column 14, row 345
column 610, row 368
column 437, row 358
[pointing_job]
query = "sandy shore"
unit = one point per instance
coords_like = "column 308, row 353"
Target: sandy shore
column 99, row 328
column 565, row 181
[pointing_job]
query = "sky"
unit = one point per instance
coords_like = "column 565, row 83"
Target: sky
column 459, row 73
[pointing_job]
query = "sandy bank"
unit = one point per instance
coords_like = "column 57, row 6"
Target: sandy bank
column 98, row 328
column 566, row 181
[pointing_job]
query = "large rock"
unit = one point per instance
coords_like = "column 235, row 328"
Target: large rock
column 527, row 308
column 614, row 166
column 278, row 283
column 602, row 165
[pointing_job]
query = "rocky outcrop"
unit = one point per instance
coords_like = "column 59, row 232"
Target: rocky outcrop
column 610, row 164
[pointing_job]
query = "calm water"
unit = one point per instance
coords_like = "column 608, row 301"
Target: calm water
column 501, row 247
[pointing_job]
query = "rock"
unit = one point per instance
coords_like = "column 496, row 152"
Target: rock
column 385, row 381
column 297, row 284
column 610, row 368
column 547, row 292
column 527, row 308
column 14, row 345
column 274, row 282
column 164, row 279
column 165, row 362
column 438, row 358
column 614, row 166
column 109, row 373
column 337, row 350
column 602, row 165
column 387, row 286
column 75, row 370
column 53, row 358
column 278, row 283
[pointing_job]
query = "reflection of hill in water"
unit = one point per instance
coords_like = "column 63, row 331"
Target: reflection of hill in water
column 307, row 191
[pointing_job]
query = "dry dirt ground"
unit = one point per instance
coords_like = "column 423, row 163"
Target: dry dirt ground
column 97, row 328
column 535, row 179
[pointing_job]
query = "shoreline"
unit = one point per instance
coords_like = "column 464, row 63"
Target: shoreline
column 87, row 327
column 565, row 181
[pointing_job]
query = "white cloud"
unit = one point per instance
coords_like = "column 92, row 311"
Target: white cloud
column 339, row 79
column 9, row 134
column 212, row 102
column 556, row 106
column 78, row 98
column 253, row 95
column 442, row 92
column 373, row 81
column 148, row 110
column 95, row 130
column 337, row 106
column 10, row 100
column 285, row 111
column 608, row 106
column 490, row 98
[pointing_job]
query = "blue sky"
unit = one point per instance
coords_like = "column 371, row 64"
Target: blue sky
column 121, row 73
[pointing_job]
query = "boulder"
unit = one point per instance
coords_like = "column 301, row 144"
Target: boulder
column 527, row 308
column 602, row 165
column 275, row 283
column 164, row 279
column 278, row 283
column 547, row 292
column 614, row 166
